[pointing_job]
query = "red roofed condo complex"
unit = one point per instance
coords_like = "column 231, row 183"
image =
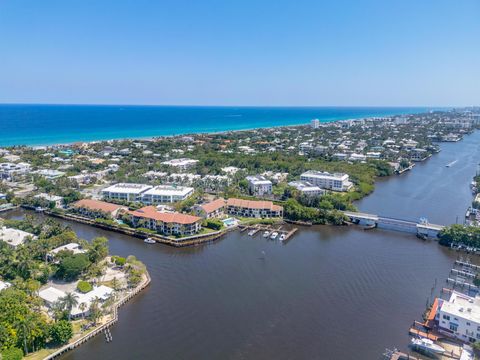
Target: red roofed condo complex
column 95, row 208
column 168, row 223
column 251, row 208
column 213, row 209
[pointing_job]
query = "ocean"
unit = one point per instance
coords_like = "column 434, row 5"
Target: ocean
column 59, row 124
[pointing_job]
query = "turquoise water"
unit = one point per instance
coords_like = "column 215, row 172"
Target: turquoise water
column 54, row 124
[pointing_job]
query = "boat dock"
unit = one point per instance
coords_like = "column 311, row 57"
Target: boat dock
column 254, row 229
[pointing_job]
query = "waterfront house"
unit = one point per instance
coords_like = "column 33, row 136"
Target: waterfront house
column 166, row 194
column 14, row 237
column 258, row 185
column 52, row 296
column 213, row 209
column 56, row 200
column 252, row 208
column 326, row 180
column 98, row 209
column 168, row 223
column 74, row 248
column 418, row 154
column 125, row 192
column 459, row 316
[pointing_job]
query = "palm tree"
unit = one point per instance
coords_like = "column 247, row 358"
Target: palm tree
column 69, row 301
column 83, row 307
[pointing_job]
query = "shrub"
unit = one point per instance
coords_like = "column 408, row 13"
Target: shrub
column 119, row 261
column 84, row 286
column 12, row 354
column 61, row 332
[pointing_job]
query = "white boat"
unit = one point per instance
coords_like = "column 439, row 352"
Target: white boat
column 451, row 164
column 149, row 241
column 266, row 234
column 251, row 232
column 282, row 237
column 274, row 235
column 427, row 345
column 39, row 209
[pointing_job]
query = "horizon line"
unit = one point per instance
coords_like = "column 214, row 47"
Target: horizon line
column 242, row 106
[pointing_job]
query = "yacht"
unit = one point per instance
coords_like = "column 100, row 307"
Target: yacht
column 149, row 241
column 282, row 237
column 427, row 345
column 266, row 233
column 251, row 232
column 274, row 235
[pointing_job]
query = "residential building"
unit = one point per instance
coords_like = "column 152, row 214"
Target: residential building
column 49, row 174
column 166, row 194
column 181, row 164
column 10, row 171
column 418, row 154
column 459, row 316
column 357, row 157
column 51, row 296
column 315, row 123
column 307, row 189
column 213, row 209
column 251, row 208
column 72, row 247
column 326, row 180
column 14, row 237
column 259, row 185
column 95, row 208
column 125, row 192
column 57, row 200
column 166, row 222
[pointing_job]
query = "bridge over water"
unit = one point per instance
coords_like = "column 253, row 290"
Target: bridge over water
column 421, row 228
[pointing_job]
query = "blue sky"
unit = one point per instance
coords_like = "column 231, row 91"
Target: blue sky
column 245, row 52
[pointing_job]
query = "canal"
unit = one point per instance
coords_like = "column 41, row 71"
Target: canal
column 329, row 293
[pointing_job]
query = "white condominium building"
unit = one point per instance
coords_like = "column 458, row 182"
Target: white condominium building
column 258, row 185
column 166, row 194
column 125, row 192
column 315, row 123
column 307, row 189
column 326, row 180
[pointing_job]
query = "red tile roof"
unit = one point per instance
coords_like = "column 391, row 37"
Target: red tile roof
column 252, row 204
column 96, row 205
column 150, row 212
column 214, row 205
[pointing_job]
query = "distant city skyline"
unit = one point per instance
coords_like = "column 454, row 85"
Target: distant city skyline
column 241, row 53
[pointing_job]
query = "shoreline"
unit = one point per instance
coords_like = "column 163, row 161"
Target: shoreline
column 325, row 120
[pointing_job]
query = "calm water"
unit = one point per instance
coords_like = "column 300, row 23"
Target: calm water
column 329, row 293
column 53, row 124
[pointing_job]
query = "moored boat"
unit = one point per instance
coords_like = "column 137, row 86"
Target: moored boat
column 427, row 345
column 274, row 235
column 266, row 234
column 149, row 241
column 282, row 237
column 251, row 232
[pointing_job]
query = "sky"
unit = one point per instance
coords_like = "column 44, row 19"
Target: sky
column 241, row 52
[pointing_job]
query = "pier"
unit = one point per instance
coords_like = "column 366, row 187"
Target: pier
column 420, row 228
column 254, row 229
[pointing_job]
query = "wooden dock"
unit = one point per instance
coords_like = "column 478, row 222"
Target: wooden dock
column 466, row 264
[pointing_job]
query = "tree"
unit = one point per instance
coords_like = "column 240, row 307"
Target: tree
column 94, row 311
column 61, row 332
column 69, row 301
column 72, row 266
column 98, row 249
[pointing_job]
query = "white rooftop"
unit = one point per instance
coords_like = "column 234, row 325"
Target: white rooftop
column 169, row 190
column 180, row 162
column 14, row 237
column 74, row 247
column 125, row 188
column 463, row 306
